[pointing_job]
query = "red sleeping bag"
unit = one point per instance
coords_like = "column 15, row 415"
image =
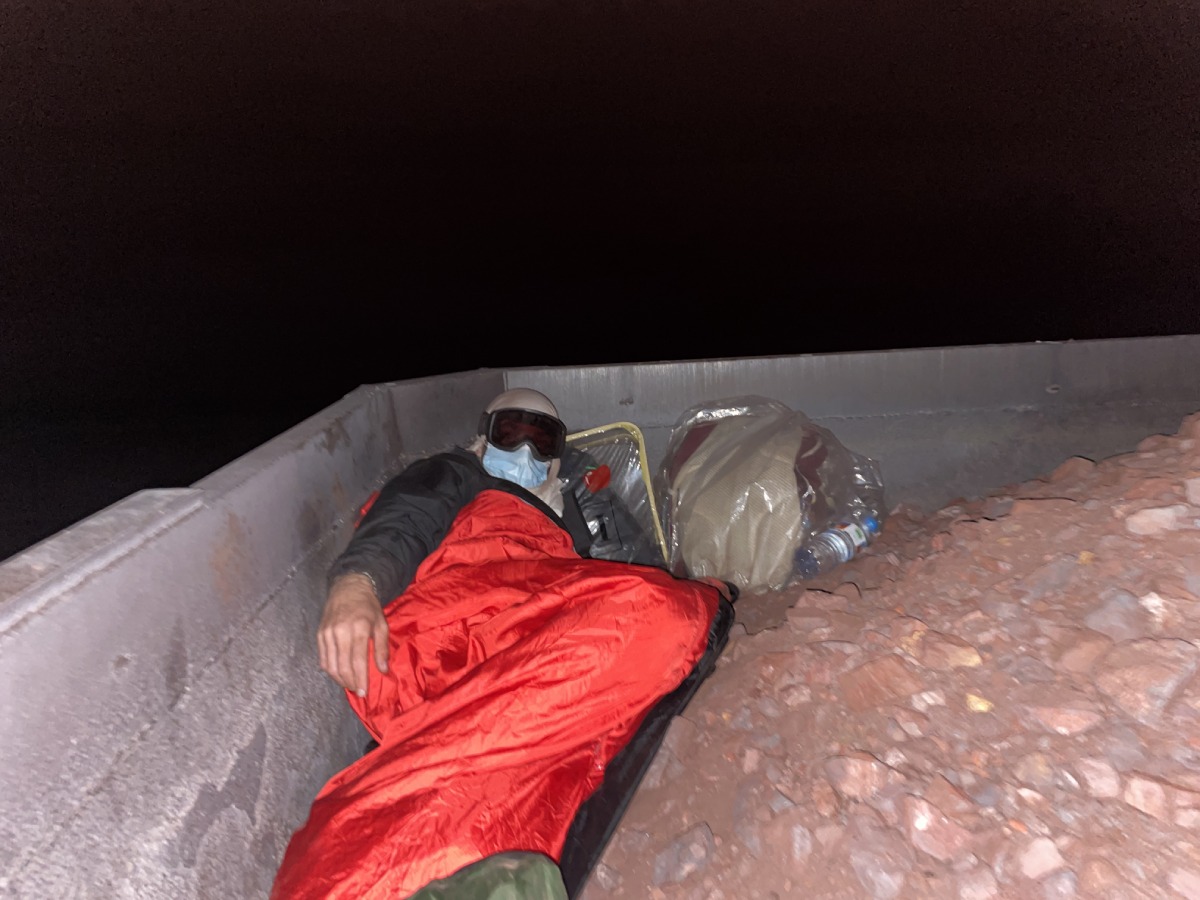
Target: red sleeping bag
column 517, row 670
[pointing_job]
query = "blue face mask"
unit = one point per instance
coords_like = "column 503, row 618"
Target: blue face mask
column 517, row 466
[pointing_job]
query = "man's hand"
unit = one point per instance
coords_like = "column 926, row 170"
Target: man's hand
column 353, row 618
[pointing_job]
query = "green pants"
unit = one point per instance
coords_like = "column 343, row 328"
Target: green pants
column 504, row 876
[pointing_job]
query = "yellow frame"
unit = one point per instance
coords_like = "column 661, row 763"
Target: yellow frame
column 636, row 432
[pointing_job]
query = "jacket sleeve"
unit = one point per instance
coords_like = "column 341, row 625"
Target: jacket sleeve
column 408, row 520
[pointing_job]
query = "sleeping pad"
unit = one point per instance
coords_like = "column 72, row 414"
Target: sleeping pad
column 517, row 671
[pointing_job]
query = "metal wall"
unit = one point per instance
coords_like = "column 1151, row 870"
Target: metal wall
column 165, row 726
column 943, row 422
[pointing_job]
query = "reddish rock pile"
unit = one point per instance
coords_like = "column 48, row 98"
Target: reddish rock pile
column 996, row 700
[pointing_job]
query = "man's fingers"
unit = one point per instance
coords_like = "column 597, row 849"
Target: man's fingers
column 381, row 644
column 330, row 658
column 322, row 653
column 351, row 621
column 336, row 651
column 359, row 653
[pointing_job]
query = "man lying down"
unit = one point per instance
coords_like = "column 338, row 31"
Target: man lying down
column 499, row 668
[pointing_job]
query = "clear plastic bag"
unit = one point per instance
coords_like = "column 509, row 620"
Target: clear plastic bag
column 746, row 481
column 604, row 467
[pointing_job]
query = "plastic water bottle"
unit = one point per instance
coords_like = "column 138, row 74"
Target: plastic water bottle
column 834, row 546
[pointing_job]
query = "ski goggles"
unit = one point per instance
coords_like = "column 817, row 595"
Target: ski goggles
column 508, row 429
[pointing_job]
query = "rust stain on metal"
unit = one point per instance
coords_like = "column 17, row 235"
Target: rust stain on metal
column 338, row 492
column 308, row 523
column 334, row 436
column 230, row 561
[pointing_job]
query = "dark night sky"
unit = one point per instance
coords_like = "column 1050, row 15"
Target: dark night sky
column 217, row 220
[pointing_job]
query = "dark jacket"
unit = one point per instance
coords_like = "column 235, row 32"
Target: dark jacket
column 415, row 509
